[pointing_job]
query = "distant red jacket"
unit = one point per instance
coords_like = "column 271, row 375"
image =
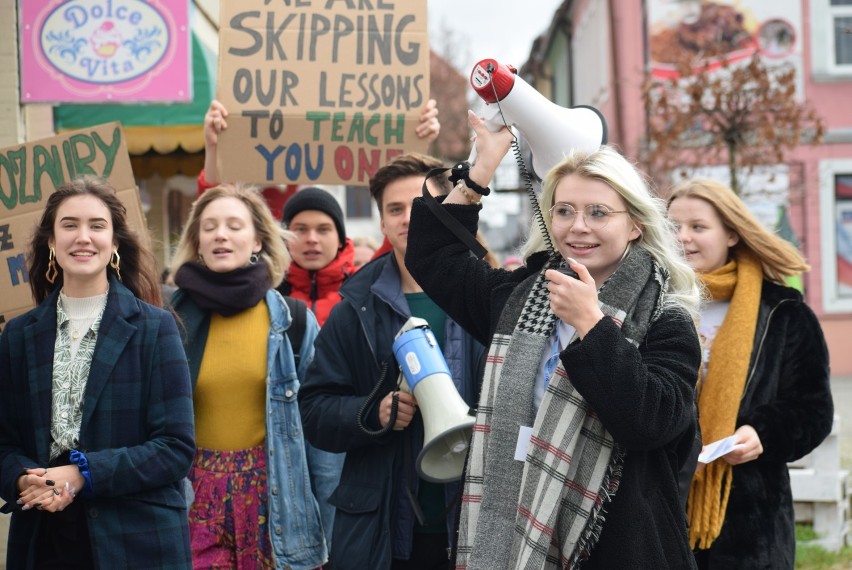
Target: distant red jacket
column 320, row 289
column 275, row 198
column 384, row 248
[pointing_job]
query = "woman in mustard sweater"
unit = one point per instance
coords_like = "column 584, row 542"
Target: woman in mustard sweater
column 253, row 504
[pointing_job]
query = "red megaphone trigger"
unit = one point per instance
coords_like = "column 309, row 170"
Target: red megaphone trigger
column 491, row 80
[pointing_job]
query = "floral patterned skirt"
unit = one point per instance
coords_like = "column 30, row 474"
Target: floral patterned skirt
column 228, row 521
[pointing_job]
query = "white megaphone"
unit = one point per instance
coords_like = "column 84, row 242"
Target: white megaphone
column 447, row 423
column 552, row 132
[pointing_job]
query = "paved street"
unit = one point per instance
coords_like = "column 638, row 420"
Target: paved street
column 841, row 388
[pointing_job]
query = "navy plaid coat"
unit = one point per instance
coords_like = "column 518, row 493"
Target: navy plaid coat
column 137, row 431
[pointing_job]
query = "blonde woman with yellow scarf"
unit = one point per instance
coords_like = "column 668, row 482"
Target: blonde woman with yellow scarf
column 764, row 379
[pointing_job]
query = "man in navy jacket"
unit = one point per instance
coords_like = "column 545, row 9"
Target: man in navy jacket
column 387, row 517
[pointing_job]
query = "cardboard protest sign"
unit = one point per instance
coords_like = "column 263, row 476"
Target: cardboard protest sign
column 29, row 173
column 320, row 91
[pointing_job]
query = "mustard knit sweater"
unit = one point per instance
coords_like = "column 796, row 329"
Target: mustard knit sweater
column 230, row 396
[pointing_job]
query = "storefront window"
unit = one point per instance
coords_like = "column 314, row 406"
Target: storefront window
column 836, row 234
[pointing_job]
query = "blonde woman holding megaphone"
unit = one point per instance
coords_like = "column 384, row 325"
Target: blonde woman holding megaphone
column 586, row 411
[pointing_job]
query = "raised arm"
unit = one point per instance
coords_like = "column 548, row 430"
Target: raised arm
column 429, row 127
column 214, row 123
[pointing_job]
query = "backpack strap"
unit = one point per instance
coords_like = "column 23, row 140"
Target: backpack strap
column 298, row 324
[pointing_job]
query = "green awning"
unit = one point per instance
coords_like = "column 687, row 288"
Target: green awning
column 161, row 127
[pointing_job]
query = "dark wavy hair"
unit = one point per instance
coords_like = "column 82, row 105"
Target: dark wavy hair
column 138, row 268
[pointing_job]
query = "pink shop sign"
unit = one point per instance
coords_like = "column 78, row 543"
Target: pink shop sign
column 87, row 51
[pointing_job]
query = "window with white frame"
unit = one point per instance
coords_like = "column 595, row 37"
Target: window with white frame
column 841, row 16
column 831, row 37
column 836, row 234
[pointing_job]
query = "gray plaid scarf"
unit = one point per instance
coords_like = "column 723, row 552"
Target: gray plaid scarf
column 548, row 511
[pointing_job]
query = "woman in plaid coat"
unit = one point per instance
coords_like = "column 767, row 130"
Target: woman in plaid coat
column 96, row 428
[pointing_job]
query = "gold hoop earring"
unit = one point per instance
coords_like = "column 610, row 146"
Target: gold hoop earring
column 115, row 263
column 52, row 273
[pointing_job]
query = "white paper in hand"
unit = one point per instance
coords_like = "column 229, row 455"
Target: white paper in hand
column 719, row 448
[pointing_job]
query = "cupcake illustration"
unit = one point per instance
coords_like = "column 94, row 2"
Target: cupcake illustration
column 106, row 40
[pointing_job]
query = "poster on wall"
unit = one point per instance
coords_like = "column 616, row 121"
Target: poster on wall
column 89, row 51
column 29, row 173
column 843, row 209
column 740, row 28
column 320, row 92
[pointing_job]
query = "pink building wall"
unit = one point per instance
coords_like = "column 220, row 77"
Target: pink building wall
column 628, row 75
column 831, row 98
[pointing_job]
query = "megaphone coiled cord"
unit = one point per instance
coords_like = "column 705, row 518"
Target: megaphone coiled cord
column 359, row 417
column 525, row 173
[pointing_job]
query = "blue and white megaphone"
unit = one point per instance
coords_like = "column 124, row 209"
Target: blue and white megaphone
column 552, row 132
column 447, row 422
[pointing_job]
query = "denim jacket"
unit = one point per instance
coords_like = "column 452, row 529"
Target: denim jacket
column 295, row 529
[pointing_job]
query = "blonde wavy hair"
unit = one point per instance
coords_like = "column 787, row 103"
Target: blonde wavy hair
column 778, row 257
column 646, row 210
column 272, row 236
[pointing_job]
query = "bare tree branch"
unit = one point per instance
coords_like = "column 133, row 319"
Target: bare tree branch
column 743, row 115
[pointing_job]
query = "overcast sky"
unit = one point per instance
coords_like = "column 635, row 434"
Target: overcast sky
column 489, row 29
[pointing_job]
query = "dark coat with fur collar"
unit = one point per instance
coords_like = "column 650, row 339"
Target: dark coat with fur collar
column 788, row 402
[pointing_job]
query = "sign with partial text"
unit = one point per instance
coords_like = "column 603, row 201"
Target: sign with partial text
column 29, row 173
column 320, row 91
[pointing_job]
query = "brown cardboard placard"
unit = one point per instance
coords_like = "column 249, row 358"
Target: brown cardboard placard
column 320, row 91
column 30, row 172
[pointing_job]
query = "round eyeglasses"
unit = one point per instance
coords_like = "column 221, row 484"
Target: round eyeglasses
column 595, row 216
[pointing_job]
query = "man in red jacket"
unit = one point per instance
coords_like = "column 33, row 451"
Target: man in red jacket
column 323, row 257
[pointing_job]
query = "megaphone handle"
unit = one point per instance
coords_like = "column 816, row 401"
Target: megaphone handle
column 472, row 158
column 368, row 402
column 493, row 127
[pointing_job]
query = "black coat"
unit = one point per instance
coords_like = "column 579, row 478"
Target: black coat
column 788, row 402
column 372, row 522
column 645, row 400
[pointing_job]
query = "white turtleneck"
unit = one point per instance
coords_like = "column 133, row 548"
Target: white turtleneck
column 82, row 312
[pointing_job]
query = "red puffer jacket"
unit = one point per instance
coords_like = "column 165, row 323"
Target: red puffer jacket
column 320, row 289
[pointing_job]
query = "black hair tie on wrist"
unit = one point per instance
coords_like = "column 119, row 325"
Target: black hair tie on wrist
column 461, row 171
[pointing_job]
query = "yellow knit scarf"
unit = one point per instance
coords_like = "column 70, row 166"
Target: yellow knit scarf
column 721, row 391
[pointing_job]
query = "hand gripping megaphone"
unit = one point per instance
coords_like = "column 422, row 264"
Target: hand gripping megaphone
column 447, row 423
column 553, row 132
